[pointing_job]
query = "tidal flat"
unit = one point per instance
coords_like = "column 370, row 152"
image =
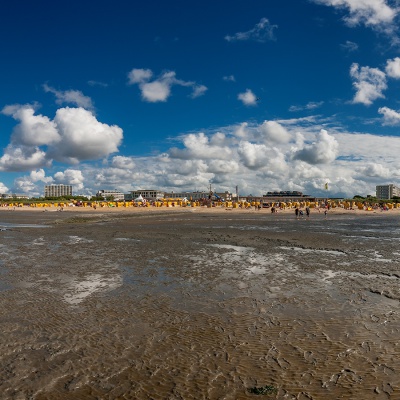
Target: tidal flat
column 199, row 305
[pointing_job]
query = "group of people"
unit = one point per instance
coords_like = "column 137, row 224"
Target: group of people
column 299, row 213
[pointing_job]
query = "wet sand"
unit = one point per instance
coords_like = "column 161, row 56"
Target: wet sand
column 199, row 304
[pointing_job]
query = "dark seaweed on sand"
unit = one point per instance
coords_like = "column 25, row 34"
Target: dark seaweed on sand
column 267, row 389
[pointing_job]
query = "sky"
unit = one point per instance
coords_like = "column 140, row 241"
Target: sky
column 263, row 95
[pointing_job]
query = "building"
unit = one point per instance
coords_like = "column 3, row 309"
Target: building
column 226, row 196
column 115, row 194
column 146, row 194
column 286, row 196
column 188, row 195
column 14, row 196
column 57, row 190
column 387, row 192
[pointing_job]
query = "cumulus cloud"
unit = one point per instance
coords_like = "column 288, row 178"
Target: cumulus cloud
column 272, row 131
column 22, row 158
column 282, row 155
column 241, row 131
column 72, row 177
column 123, row 162
column 261, row 157
column 324, row 150
column 226, row 167
column 33, row 130
column 74, row 135
column 376, row 14
column 390, row 117
column 24, row 185
column 198, row 146
column 3, row 188
column 253, row 156
column 83, row 137
column 159, row 89
column 40, row 176
column 369, row 84
column 248, row 98
column 139, row 75
column 75, row 97
column 262, row 32
column 393, row 68
column 374, row 170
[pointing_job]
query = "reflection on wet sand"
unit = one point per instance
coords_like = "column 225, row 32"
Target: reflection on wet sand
column 149, row 308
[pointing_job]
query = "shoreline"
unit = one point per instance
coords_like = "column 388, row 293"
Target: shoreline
column 199, row 209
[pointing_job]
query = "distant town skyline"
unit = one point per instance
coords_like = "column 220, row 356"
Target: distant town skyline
column 267, row 96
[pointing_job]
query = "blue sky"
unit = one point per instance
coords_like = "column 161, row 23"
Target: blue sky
column 264, row 95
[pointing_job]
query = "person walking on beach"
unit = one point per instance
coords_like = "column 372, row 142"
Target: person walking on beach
column 326, row 213
column 296, row 211
column 308, row 212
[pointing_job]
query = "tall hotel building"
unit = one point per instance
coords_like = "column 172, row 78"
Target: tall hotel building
column 386, row 192
column 57, row 190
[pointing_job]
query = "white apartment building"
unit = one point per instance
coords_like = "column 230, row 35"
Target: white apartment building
column 146, row 194
column 200, row 195
column 57, row 190
column 14, row 196
column 386, row 192
column 116, row 194
column 188, row 195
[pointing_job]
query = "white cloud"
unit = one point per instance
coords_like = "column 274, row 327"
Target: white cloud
column 253, row 156
column 70, row 177
column 24, row 185
column 236, row 155
column 374, row 170
column 390, row 117
column 33, row 130
column 197, row 146
column 74, row 135
column 22, row 158
column 324, row 150
column 227, row 167
column 138, row 75
column 75, row 97
column 260, row 157
column 248, row 98
column 198, row 90
column 83, row 137
column 393, row 68
column 3, row 188
column 372, row 13
column 261, row 32
column 241, row 131
column 273, row 131
column 369, row 84
column 156, row 91
column 159, row 90
column 40, row 176
column 123, row 162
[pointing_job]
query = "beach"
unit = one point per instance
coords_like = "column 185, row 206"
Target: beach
column 199, row 303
